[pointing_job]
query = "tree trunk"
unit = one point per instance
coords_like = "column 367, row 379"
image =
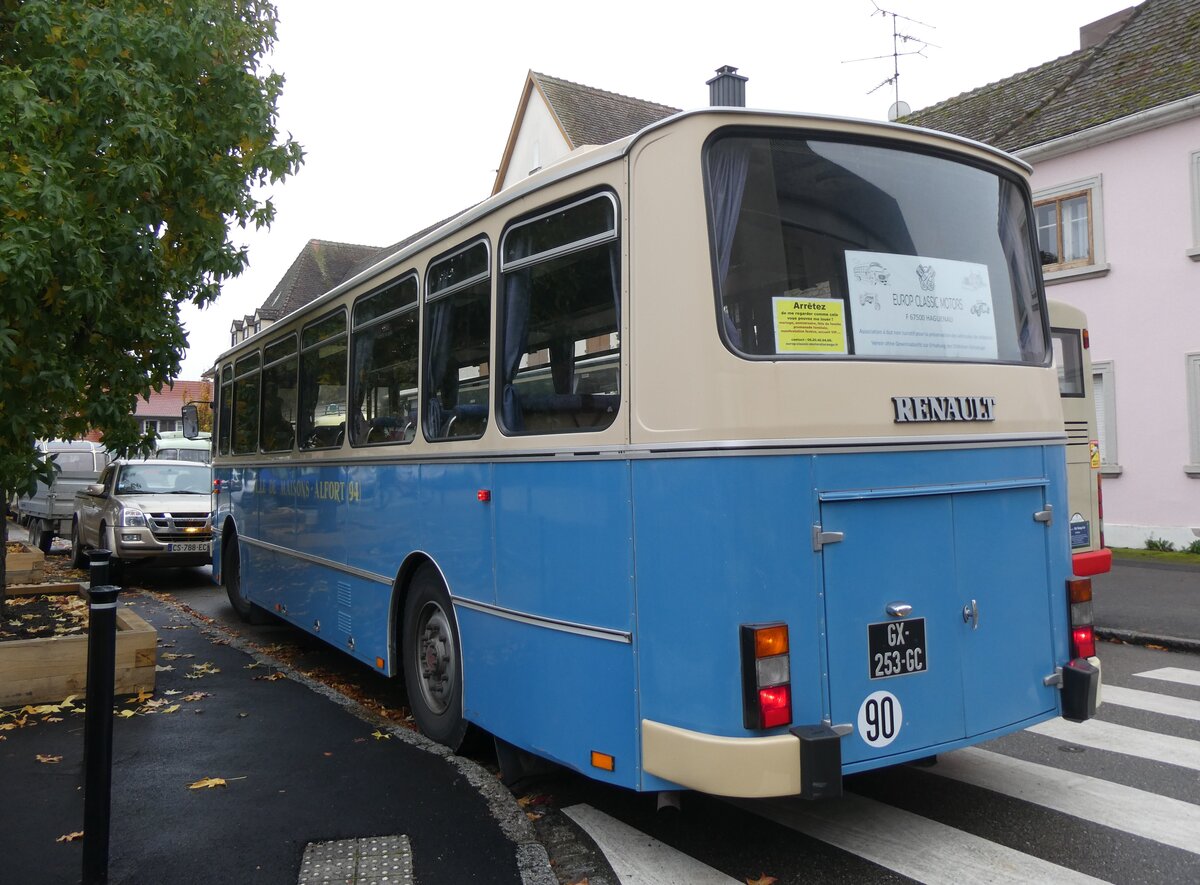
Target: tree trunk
column 4, row 557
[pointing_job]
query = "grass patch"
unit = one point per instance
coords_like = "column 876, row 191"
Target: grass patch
column 1177, row 556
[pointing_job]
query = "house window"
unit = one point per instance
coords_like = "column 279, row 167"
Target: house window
column 1070, row 230
column 149, row 426
column 1105, row 393
column 1193, row 391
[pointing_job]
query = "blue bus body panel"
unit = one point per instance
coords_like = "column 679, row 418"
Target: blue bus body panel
column 558, row 577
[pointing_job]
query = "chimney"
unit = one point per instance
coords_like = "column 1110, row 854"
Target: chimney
column 1098, row 31
column 727, row 89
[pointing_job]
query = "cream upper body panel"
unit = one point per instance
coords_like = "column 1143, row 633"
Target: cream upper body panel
column 689, row 386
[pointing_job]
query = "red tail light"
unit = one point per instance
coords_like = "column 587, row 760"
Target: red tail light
column 775, row 706
column 1083, row 642
column 766, row 676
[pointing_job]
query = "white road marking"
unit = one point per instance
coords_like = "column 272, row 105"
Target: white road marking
column 1141, row 813
column 1152, row 702
column 909, row 844
column 1122, row 739
column 637, row 859
column 1172, row 674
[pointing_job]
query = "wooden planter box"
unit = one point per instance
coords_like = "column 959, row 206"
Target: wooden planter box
column 26, row 567
column 38, row 671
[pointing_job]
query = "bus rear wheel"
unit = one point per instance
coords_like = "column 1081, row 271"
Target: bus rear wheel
column 432, row 660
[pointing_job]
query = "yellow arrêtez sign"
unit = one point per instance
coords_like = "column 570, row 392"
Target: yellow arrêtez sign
column 1095, row 451
column 809, row 325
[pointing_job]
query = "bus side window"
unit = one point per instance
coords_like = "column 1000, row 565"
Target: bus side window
column 245, row 404
column 225, row 411
column 457, row 336
column 384, row 364
column 560, row 334
column 279, row 396
column 322, row 411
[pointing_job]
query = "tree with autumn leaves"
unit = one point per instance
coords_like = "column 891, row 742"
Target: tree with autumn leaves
column 133, row 135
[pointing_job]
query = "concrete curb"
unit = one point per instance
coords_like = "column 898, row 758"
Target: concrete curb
column 1136, row 637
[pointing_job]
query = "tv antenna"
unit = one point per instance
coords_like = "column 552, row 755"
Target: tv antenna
column 899, row 108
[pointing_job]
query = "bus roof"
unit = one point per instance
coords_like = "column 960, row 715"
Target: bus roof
column 590, row 156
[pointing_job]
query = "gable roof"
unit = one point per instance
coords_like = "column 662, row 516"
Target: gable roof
column 169, row 399
column 1149, row 60
column 584, row 114
column 319, row 267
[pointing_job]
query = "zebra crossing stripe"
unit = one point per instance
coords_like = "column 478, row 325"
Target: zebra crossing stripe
column 908, row 844
column 1172, row 674
column 1138, row 812
column 637, row 858
column 1122, row 739
column 1152, row 702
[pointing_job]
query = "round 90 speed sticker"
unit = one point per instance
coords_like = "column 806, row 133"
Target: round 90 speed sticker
column 879, row 718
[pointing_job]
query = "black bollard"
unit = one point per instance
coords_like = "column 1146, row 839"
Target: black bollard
column 98, row 718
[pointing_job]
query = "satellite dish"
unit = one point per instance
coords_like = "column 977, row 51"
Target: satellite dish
column 898, row 109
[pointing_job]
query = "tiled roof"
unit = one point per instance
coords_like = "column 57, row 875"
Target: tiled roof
column 593, row 116
column 319, row 267
column 1152, row 59
column 167, row 401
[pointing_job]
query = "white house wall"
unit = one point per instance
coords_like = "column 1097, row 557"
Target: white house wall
column 539, row 142
column 1144, row 316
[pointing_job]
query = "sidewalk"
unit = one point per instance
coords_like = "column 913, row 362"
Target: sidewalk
column 298, row 767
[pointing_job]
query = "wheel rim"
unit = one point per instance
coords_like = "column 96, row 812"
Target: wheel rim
column 437, row 658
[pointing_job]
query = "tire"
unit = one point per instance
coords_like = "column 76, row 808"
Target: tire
column 231, row 576
column 432, row 658
column 78, row 554
column 40, row 536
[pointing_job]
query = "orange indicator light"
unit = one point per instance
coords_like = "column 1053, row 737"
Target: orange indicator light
column 770, row 641
column 1079, row 590
column 379, row 663
column 603, row 761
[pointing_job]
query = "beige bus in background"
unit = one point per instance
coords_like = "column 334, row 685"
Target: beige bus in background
column 1072, row 358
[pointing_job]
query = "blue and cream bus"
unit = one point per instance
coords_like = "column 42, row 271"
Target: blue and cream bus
column 728, row 457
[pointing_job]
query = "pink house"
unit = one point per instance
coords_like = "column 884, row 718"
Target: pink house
column 1113, row 134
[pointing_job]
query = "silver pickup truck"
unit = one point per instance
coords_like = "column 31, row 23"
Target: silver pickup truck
column 48, row 511
column 155, row 512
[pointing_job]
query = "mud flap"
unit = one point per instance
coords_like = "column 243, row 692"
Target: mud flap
column 820, row 761
column 1080, row 689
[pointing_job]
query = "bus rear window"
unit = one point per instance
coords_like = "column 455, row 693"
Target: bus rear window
column 826, row 249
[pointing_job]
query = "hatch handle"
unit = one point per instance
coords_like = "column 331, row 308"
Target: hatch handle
column 1046, row 516
column 898, row 609
column 971, row 613
column 820, row 538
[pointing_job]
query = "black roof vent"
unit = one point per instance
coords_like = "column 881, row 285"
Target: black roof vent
column 727, row 89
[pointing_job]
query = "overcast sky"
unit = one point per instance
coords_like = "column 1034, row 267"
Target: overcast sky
column 403, row 108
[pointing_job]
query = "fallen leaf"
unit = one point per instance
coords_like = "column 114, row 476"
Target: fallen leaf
column 70, row 837
column 207, row 783
column 170, row 709
column 328, row 754
column 49, row 760
column 254, row 666
column 194, row 696
column 141, row 697
column 274, row 677
column 379, row 735
column 172, row 691
column 172, row 656
column 126, row 714
column 163, row 668
column 763, row 879
column 52, row 719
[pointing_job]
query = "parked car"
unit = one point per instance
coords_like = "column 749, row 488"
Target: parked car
column 152, row 512
column 48, row 511
column 173, row 445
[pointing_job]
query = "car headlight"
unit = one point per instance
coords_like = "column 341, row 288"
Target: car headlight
column 131, row 517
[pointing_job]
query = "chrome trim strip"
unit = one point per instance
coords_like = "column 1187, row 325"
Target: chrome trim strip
column 318, row 560
column 950, row 488
column 621, row 451
column 604, row 633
